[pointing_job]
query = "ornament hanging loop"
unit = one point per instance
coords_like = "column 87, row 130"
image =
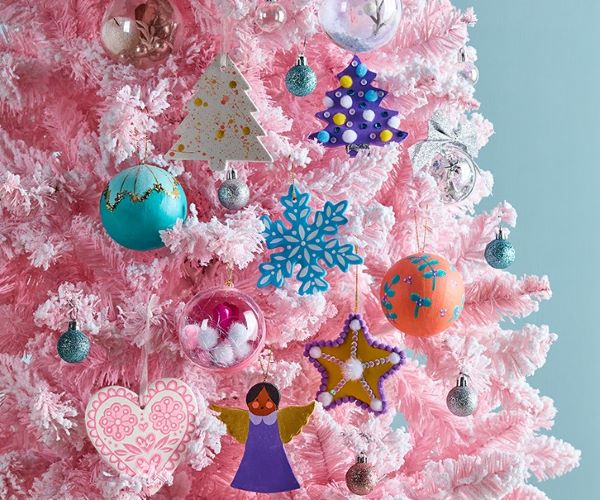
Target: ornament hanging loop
column 426, row 228
column 72, row 310
column 229, row 281
column 356, row 286
column 265, row 364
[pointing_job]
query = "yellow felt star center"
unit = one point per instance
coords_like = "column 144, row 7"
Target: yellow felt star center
column 354, row 367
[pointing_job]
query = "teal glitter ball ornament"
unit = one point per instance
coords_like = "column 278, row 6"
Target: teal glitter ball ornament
column 73, row 345
column 138, row 203
column 301, row 80
column 499, row 253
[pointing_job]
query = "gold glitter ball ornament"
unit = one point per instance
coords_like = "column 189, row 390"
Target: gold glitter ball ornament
column 360, row 478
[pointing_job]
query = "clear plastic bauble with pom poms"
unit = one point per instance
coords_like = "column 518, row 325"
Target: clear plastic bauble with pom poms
column 222, row 329
column 360, row 25
column 141, row 32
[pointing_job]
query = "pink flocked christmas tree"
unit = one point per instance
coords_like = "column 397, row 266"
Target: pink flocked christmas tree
column 71, row 118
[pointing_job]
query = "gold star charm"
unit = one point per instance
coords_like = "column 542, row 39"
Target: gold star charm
column 354, row 366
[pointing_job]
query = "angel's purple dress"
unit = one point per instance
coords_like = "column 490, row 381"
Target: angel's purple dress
column 265, row 467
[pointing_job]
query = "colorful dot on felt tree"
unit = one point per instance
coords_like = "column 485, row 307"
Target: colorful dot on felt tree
column 246, row 130
column 198, row 101
column 220, row 133
column 394, row 121
column 339, row 118
column 361, row 70
column 323, row 136
column 369, row 115
column 385, row 135
column 349, row 136
column 180, row 147
column 371, row 95
column 346, row 81
column 232, row 84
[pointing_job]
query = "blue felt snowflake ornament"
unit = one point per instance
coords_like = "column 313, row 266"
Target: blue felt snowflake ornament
column 305, row 244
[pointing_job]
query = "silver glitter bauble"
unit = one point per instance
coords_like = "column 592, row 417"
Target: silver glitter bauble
column 73, row 345
column 301, row 80
column 499, row 253
column 234, row 193
column 455, row 173
column 462, row 400
column 361, row 478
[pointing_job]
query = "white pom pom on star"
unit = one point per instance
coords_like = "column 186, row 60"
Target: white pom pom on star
column 325, row 398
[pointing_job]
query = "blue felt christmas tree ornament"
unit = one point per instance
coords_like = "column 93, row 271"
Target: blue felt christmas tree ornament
column 354, row 116
column 307, row 244
column 138, row 203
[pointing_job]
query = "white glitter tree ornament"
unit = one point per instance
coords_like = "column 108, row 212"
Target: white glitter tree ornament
column 220, row 126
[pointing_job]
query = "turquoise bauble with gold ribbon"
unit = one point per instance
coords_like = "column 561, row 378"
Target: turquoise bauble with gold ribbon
column 138, row 203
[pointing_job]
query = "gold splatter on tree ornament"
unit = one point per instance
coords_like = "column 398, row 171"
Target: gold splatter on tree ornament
column 221, row 99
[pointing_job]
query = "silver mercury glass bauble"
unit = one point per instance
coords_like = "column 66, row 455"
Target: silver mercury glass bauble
column 233, row 193
column 455, row 173
column 500, row 253
column 462, row 400
column 361, row 478
column 468, row 69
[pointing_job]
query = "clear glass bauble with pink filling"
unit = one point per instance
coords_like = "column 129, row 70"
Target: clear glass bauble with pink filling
column 360, row 25
column 222, row 329
column 141, row 32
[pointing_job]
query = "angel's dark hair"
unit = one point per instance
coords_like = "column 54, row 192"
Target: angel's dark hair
column 272, row 391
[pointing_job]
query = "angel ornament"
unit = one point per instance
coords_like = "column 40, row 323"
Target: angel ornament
column 264, row 429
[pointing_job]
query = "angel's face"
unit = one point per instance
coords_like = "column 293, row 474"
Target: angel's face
column 262, row 405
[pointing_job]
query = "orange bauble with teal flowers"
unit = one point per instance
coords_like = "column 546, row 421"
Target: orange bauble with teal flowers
column 422, row 294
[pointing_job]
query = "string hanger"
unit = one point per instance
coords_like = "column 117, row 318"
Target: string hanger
column 356, row 285
column 265, row 364
column 229, row 279
column 426, row 229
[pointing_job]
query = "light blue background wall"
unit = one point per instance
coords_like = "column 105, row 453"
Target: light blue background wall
column 539, row 62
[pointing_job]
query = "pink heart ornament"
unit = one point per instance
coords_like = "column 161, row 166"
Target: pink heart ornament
column 147, row 443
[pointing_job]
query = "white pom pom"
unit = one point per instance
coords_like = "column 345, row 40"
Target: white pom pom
column 369, row 115
column 238, row 333
column 376, row 405
column 325, row 399
column 355, row 325
column 327, row 101
column 394, row 122
column 349, row 136
column 346, row 101
column 352, row 369
column 242, row 350
column 315, row 352
column 207, row 338
column 223, row 354
column 394, row 358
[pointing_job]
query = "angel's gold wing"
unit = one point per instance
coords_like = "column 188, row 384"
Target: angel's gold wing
column 292, row 419
column 237, row 421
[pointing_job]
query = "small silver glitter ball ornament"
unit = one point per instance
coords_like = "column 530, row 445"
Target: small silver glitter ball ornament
column 499, row 253
column 73, row 345
column 301, row 80
column 455, row 173
column 462, row 400
column 361, row 478
column 234, row 193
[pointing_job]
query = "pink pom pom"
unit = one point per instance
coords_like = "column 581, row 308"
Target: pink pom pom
column 189, row 336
